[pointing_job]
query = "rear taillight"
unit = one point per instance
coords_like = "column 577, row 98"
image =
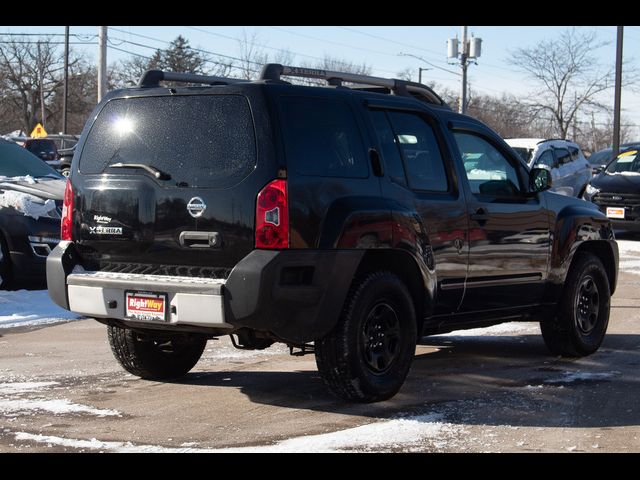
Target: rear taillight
column 66, row 225
column 272, row 216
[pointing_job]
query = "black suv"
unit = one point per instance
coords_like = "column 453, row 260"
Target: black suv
column 338, row 220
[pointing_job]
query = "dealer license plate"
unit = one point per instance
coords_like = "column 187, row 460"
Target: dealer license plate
column 146, row 306
column 615, row 212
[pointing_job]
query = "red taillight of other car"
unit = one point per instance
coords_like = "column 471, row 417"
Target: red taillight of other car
column 66, row 225
column 272, row 216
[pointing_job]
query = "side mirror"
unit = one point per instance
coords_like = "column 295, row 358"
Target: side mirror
column 539, row 178
column 598, row 169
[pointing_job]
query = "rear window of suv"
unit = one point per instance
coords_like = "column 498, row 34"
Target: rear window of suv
column 200, row 140
column 322, row 138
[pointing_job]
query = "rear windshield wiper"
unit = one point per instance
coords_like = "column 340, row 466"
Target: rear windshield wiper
column 159, row 174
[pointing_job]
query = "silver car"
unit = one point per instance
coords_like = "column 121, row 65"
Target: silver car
column 570, row 170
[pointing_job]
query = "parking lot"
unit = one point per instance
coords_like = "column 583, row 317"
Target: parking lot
column 489, row 390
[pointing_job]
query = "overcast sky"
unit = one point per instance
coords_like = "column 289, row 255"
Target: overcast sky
column 379, row 47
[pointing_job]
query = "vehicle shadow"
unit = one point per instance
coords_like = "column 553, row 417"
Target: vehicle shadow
column 481, row 380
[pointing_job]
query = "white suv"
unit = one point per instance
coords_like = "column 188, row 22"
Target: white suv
column 570, row 171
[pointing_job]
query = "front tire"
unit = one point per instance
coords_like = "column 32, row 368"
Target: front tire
column 579, row 327
column 155, row 357
column 368, row 354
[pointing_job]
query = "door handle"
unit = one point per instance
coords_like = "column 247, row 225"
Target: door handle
column 376, row 163
column 200, row 239
column 481, row 216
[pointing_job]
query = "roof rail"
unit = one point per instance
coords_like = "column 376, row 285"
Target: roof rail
column 152, row 78
column 273, row 71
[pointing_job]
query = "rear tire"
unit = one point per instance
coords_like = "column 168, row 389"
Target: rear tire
column 579, row 327
column 154, row 357
column 368, row 354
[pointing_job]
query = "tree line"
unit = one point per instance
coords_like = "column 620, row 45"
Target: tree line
column 566, row 103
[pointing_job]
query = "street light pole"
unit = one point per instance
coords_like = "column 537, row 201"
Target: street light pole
column 618, row 93
column 420, row 70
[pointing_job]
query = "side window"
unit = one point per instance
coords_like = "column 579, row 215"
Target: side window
column 575, row 153
column 322, row 138
column 420, row 151
column 488, row 171
column 547, row 159
column 563, row 156
column 390, row 152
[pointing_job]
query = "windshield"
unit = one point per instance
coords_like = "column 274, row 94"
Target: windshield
column 601, row 157
column 525, row 153
column 627, row 162
column 15, row 161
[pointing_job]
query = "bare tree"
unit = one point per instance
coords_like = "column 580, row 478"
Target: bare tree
column 29, row 75
column 252, row 56
column 568, row 75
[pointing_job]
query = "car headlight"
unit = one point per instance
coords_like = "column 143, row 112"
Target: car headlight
column 591, row 190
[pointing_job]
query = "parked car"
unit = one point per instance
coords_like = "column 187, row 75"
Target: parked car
column 600, row 159
column 30, row 206
column 570, row 171
column 616, row 191
column 66, row 155
column 44, row 148
column 344, row 222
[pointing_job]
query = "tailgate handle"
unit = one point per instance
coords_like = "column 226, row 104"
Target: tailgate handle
column 200, row 239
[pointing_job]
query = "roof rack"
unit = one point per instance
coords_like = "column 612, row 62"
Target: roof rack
column 273, row 71
column 152, row 78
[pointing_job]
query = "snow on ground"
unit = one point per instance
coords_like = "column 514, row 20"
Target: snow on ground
column 389, row 435
column 12, row 402
column 629, row 256
column 570, row 377
column 30, row 307
column 511, row 328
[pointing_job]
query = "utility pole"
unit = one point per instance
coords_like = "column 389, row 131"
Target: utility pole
column 463, row 64
column 43, row 117
column 470, row 51
column 618, row 92
column 65, row 90
column 102, row 62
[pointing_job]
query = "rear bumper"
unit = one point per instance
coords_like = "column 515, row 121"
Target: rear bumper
column 295, row 295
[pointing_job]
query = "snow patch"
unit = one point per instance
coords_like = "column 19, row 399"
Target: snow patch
column 570, row 377
column 57, row 407
column 510, row 328
column 15, row 388
column 399, row 433
column 24, row 307
column 25, row 203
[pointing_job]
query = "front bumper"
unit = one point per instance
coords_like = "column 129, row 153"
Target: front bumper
column 295, row 295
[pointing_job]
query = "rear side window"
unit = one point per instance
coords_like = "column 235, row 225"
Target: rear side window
column 388, row 144
column 422, row 157
column 563, row 155
column 322, row 138
column 200, row 140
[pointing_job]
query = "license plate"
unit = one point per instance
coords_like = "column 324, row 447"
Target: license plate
column 615, row 212
column 146, row 306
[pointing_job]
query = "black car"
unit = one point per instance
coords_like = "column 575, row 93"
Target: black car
column 601, row 158
column 30, row 202
column 616, row 191
column 342, row 221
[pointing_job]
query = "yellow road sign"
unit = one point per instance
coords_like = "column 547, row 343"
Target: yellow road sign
column 38, row 131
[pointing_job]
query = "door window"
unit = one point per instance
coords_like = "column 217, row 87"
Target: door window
column 489, row 172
